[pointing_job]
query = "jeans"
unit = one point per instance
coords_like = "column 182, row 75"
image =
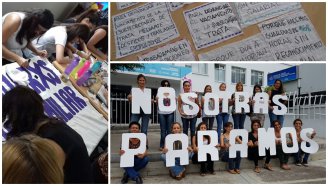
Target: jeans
column 234, row 163
column 177, row 168
column 139, row 164
column 165, row 121
column 238, row 121
column 209, row 122
column 273, row 117
column 298, row 155
column 144, row 121
column 221, row 119
column 189, row 122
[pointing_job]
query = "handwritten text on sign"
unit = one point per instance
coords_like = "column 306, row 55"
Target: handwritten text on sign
column 254, row 12
column 143, row 27
column 211, row 23
column 123, row 5
column 266, row 140
column 178, row 51
column 253, row 48
column 292, row 37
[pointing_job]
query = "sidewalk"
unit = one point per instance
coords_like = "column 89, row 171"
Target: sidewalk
column 315, row 173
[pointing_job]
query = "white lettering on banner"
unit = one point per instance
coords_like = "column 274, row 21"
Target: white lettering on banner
column 179, row 153
column 143, row 27
column 123, row 5
column 253, row 48
column 127, row 159
column 178, row 51
column 211, row 23
column 254, row 12
column 292, row 37
column 143, row 100
column 263, row 137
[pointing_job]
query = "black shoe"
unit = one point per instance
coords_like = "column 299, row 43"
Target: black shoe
column 125, row 178
column 139, row 180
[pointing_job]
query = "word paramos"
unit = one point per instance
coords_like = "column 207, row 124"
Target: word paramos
column 266, row 140
column 142, row 99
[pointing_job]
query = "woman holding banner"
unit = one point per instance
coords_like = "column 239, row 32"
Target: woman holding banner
column 187, row 120
column 221, row 118
column 208, row 119
column 238, row 118
column 141, row 80
column 283, row 157
column 278, row 89
column 256, row 116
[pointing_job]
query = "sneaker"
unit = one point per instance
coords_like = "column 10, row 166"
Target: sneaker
column 125, row 178
column 305, row 164
column 139, row 180
column 298, row 164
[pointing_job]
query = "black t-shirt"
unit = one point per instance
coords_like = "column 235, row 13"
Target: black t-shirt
column 77, row 168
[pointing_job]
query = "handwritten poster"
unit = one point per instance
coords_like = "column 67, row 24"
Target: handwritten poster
column 178, row 51
column 212, row 23
column 61, row 100
column 254, row 12
column 123, row 5
column 176, row 5
column 292, row 37
column 253, row 48
column 143, row 27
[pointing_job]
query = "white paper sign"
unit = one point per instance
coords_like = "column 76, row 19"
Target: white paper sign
column 254, row 12
column 176, row 5
column 178, row 51
column 253, row 48
column 172, row 154
column 123, row 5
column 127, row 159
column 266, row 141
column 142, row 28
column 292, row 37
column 314, row 147
column 166, row 90
column 209, row 148
column 238, row 147
column 144, row 103
column 212, row 23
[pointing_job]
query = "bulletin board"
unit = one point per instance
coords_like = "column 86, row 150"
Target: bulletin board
column 316, row 11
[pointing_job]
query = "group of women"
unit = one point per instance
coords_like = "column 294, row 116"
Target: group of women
column 30, row 33
column 38, row 148
column 169, row 126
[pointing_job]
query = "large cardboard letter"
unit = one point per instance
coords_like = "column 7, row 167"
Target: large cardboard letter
column 141, row 99
column 241, row 101
column 185, row 99
column 283, row 132
column 127, row 159
column 172, row 107
column 314, row 147
column 209, row 148
column 207, row 98
column 261, row 103
column 172, row 154
column 275, row 100
column 225, row 101
column 238, row 147
column 266, row 141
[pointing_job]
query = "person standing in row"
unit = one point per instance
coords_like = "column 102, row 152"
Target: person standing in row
column 256, row 116
column 238, row 118
column 278, row 89
column 208, row 119
column 221, row 118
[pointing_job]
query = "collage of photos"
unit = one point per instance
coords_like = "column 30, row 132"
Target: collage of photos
column 247, row 79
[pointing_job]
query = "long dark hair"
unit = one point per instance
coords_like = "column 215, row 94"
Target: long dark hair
column 77, row 30
column 42, row 17
column 226, row 125
column 198, row 129
column 165, row 81
column 91, row 14
column 23, row 109
column 281, row 88
column 253, row 123
column 256, row 86
column 103, row 43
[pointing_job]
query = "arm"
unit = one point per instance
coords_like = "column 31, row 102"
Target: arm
column 11, row 25
column 96, row 37
column 60, row 58
column 180, row 105
column 194, row 146
column 76, row 51
column 42, row 53
column 202, row 103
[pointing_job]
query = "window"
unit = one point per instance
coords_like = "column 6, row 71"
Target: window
column 199, row 68
column 257, row 78
column 219, row 73
column 238, row 75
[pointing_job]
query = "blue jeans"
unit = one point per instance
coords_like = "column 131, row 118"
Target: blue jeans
column 298, row 155
column 139, row 164
column 144, row 121
column 234, row 163
column 221, row 119
column 209, row 122
column 189, row 122
column 165, row 121
column 177, row 168
column 238, row 121
column 273, row 117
